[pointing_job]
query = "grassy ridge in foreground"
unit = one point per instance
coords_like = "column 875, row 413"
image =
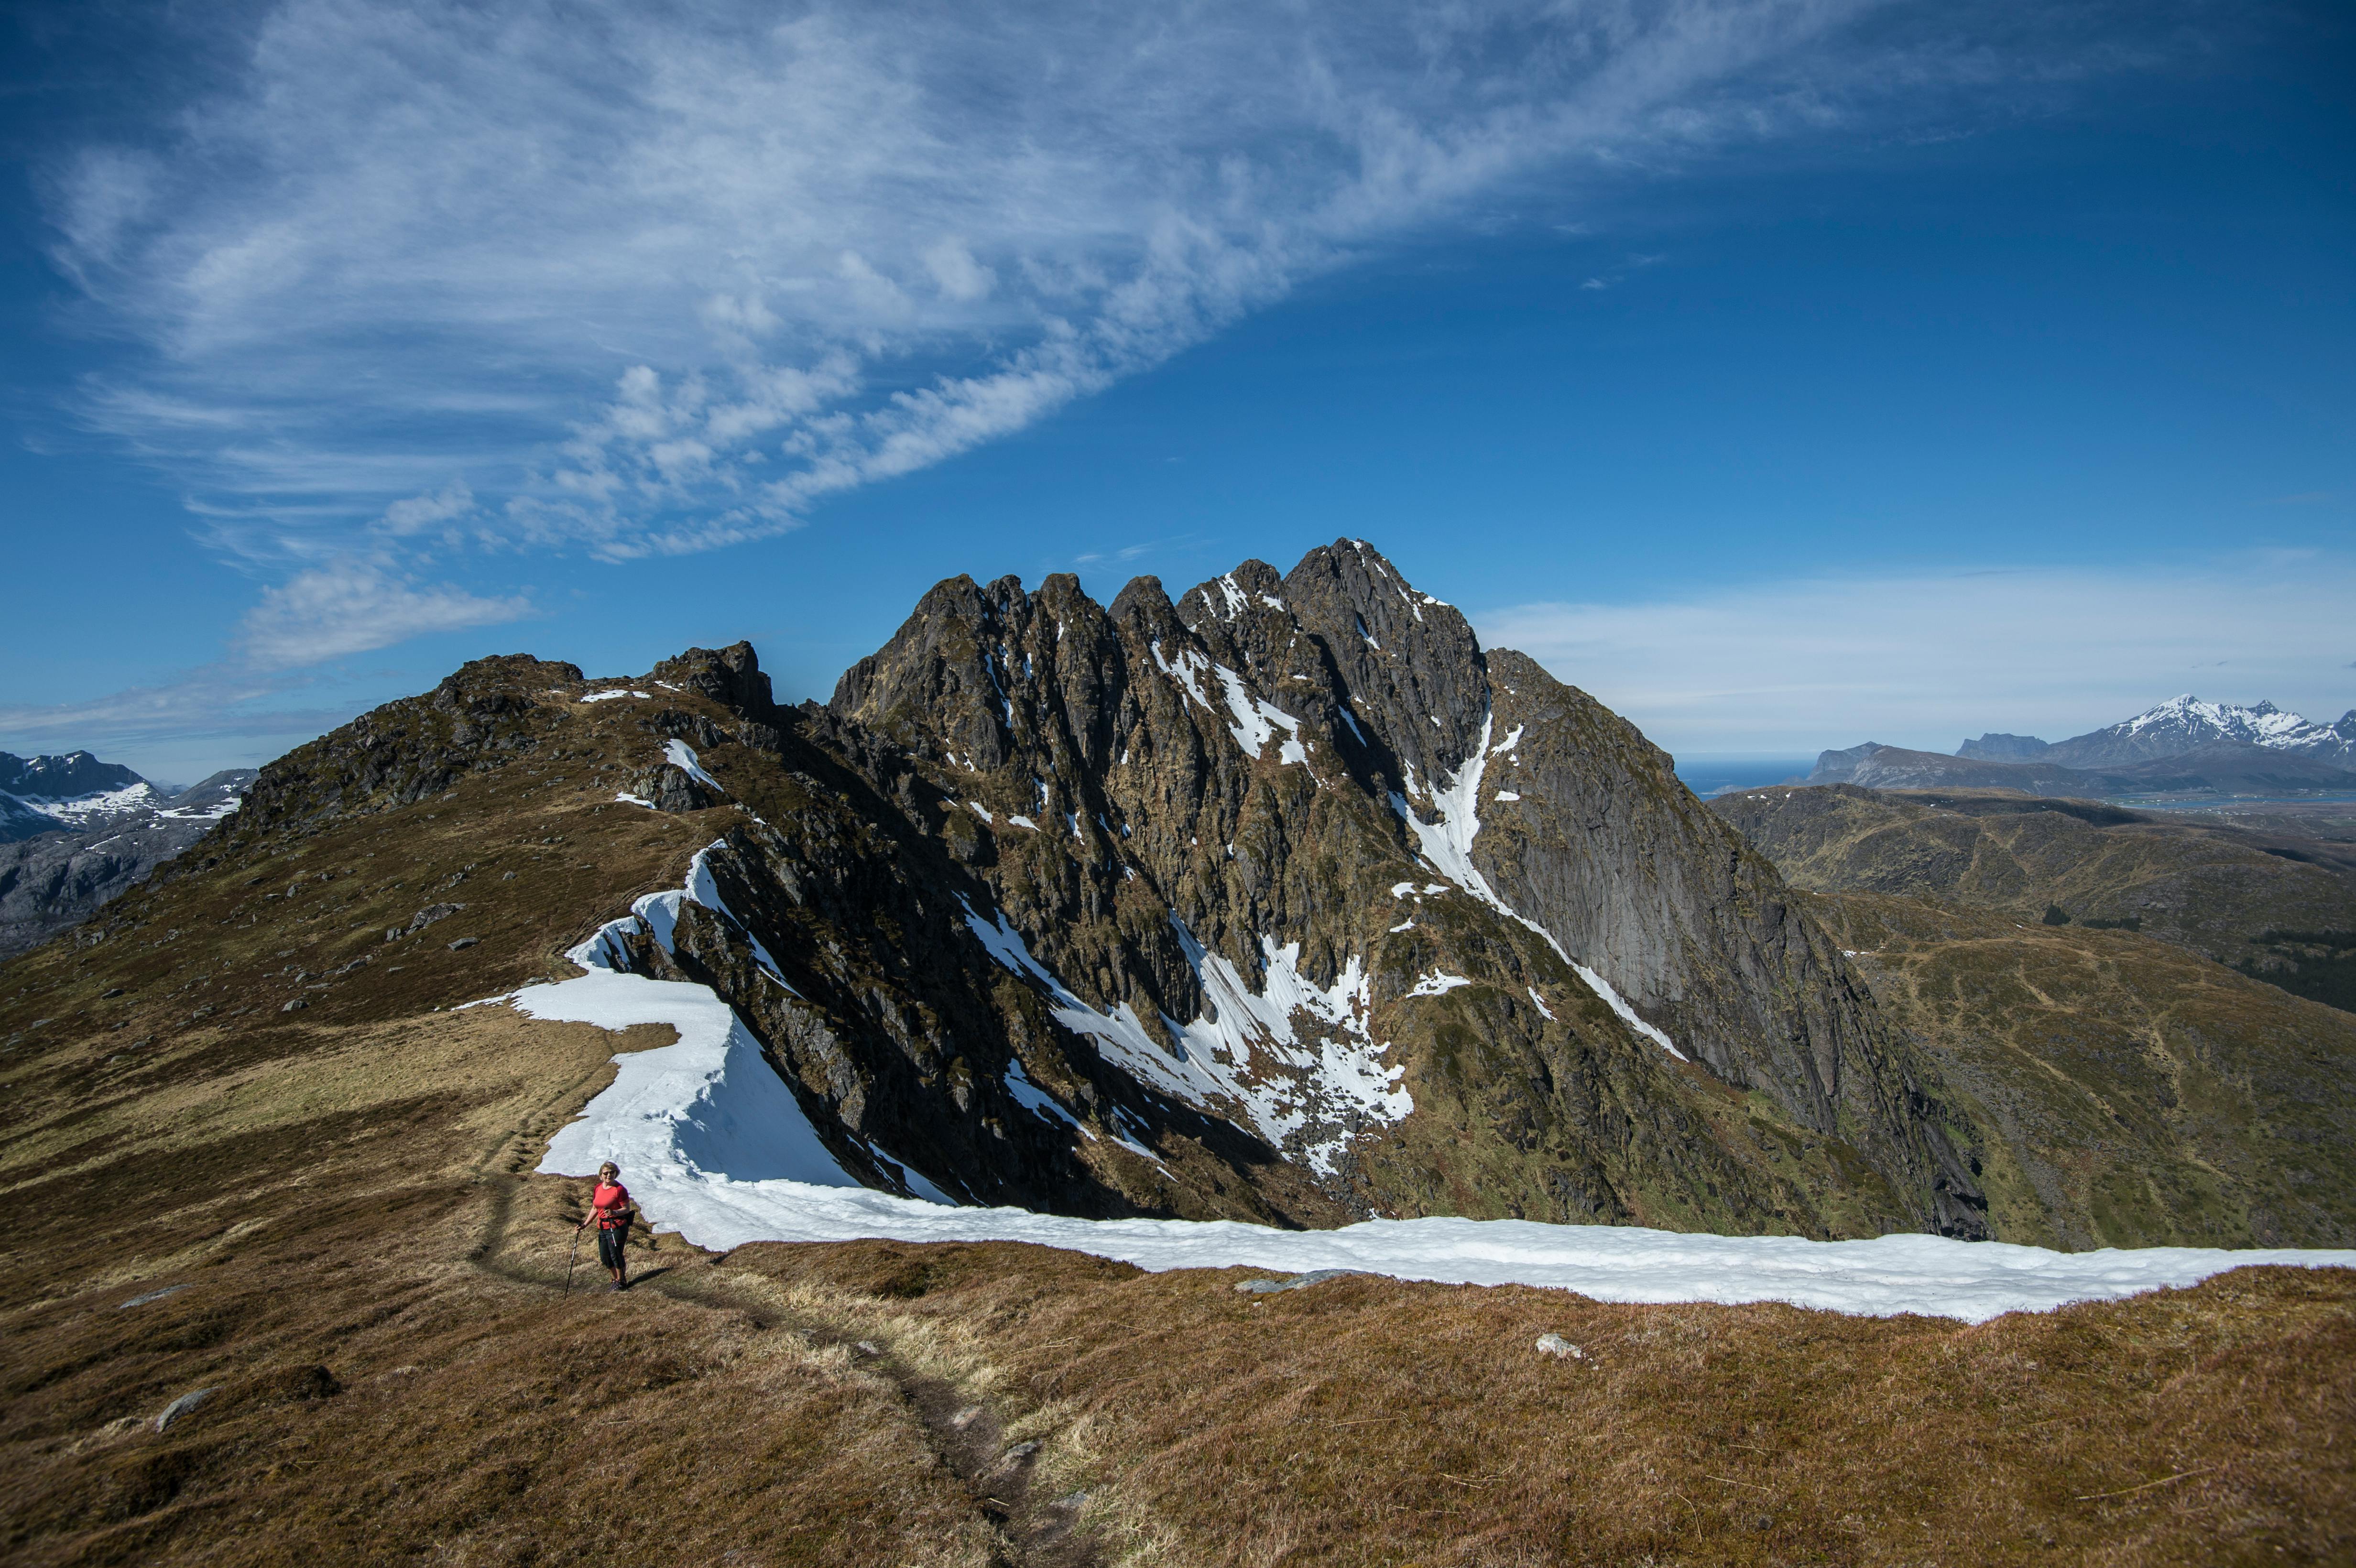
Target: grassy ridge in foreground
column 375, row 1290
column 374, row 1286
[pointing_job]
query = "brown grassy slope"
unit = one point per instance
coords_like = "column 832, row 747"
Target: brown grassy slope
column 2129, row 1094
column 349, row 1198
column 356, row 1207
column 374, row 1294
column 2208, row 886
column 374, row 1286
column 1370, row 1420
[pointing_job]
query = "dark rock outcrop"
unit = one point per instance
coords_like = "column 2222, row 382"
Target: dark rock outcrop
column 1287, row 821
column 1998, row 748
column 1283, row 902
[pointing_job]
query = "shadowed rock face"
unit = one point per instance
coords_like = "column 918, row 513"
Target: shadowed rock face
column 1283, row 902
column 1258, row 767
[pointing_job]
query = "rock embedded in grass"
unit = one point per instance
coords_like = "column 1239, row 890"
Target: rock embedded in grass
column 144, row 1299
column 182, row 1407
column 1297, row 1281
column 431, row 913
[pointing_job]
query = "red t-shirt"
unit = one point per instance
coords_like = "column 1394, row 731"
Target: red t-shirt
column 608, row 1202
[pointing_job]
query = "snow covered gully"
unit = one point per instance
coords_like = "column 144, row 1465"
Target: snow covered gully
column 717, row 1149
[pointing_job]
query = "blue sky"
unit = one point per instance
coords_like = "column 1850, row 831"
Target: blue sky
column 1786, row 375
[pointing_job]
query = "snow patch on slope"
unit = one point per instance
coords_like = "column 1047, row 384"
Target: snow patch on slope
column 1256, row 721
column 212, row 813
column 683, row 1121
column 1972, row 1281
column 1250, row 720
column 1243, row 1059
column 1188, row 672
column 717, row 1149
column 1446, row 843
column 682, row 756
column 79, row 810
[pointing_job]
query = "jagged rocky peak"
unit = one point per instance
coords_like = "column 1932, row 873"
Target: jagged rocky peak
column 1340, row 656
column 1308, row 815
column 1282, row 901
column 63, row 778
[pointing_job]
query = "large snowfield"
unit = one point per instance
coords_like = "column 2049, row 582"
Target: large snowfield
column 716, row 1148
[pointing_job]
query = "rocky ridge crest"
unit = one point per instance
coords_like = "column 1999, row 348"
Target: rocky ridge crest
column 1283, row 900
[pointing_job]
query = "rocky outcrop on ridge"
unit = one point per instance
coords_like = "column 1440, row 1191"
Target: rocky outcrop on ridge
column 1282, row 901
column 1294, row 855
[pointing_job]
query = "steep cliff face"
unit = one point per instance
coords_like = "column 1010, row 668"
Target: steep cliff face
column 1445, row 933
column 1282, row 901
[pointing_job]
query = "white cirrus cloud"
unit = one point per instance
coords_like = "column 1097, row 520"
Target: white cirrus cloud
column 1929, row 660
column 216, row 704
column 349, row 607
column 638, row 278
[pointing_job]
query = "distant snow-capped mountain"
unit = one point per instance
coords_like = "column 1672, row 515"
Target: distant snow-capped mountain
column 2181, row 724
column 65, row 777
column 75, row 832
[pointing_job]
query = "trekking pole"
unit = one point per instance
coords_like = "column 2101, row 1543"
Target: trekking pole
column 573, row 1259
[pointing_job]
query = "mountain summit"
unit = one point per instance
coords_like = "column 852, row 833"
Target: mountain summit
column 1283, row 900
column 2172, row 728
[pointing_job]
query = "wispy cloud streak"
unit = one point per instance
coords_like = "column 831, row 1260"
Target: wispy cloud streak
column 640, row 278
column 352, row 606
column 218, row 703
column 1929, row 660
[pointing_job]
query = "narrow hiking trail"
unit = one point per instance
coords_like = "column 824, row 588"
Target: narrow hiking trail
column 965, row 1434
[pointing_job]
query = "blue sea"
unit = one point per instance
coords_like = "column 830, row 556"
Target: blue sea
column 1713, row 773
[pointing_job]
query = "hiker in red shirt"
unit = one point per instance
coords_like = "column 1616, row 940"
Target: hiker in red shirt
column 611, row 1210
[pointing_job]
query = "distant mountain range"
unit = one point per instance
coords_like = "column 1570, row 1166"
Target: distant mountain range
column 75, row 832
column 2181, row 746
column 2181, row 724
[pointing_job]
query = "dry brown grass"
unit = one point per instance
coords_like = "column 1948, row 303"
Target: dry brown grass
column 380, row 1231
column 374, row 1285
column 1372, row 1420
column 462, row 1405
column 2128, row 1092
